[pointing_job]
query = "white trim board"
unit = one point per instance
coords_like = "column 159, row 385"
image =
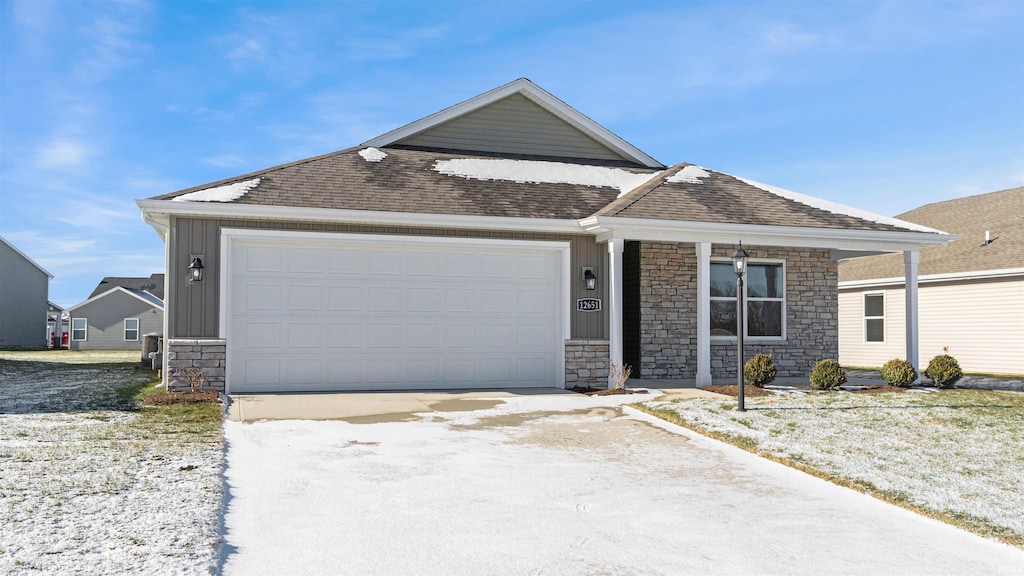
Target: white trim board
column 899, row 280
column 114, row 289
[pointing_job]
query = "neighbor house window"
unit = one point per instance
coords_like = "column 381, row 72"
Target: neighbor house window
column 874, row 317
column 765, row 297
column 131, row 329
column 78, row 328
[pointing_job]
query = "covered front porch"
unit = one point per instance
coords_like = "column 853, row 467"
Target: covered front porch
column 669, row 295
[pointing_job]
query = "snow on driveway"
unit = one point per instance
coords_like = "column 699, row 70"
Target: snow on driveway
column 561, row 484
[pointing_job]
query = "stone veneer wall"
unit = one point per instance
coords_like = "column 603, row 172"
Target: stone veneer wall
column 668, row 309
column 210, row 355
column 586, row 363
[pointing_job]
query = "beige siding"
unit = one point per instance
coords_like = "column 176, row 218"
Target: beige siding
column 513, row 125
column 981, row 322
column 194, row 309
column 854, row 350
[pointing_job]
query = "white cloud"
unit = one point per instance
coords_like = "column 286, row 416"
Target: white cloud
column 787, row 36
column 62, row 153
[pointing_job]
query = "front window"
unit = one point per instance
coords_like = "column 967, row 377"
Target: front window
column 131, row 329
column 78, row 328
column 874, row 317
column 764, row 287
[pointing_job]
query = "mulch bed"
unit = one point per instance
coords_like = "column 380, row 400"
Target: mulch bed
column 166, row 398
column 734, row 390
column 588, row 391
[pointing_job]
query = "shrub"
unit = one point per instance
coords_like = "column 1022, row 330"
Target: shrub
column 827, row 375
column 759, row 370
column 620, row 374
column 944, row 370
column 898, row 372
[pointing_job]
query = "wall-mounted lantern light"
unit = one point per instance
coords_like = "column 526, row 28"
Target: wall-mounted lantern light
column 739, row 265
column 589, row 279
column 195, row 269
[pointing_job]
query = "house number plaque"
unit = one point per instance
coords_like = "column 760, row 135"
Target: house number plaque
column 588, row 305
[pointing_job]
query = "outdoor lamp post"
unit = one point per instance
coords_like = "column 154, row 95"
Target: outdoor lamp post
column 739, row 264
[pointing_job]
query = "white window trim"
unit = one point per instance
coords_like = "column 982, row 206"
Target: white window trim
column 84, row 329
column 746, row 324
column 865, row 317
column 137, row 330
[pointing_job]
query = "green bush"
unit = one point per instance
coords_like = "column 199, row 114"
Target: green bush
column 827, row 375
column 759, row 370
column 944, row 370
column 898, row 372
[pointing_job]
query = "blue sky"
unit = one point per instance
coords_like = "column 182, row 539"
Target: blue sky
column 881, row 105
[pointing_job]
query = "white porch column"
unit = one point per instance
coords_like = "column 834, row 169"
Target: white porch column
column 911, row 258
column 703, row 314
column 614, row 306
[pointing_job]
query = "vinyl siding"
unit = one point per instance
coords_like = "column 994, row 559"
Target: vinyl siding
column 106, row 322
column 194, row 308
column 513, row 125
column 23, row 296
column 980, row 321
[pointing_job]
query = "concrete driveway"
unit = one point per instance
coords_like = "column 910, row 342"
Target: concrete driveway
column 546, row 484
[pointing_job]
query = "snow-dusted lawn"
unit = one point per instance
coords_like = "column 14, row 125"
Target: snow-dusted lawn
column 957, row 454
column 89, row 484
column 549, row 485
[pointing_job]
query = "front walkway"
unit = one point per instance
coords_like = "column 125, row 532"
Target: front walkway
column 554, row 484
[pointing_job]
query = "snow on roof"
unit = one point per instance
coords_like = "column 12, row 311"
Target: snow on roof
column 372, row 154
column 689, row 175
column 225, row 193
column 536, row 171
column 837, row 208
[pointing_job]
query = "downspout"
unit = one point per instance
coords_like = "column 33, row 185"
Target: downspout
column 164, row 230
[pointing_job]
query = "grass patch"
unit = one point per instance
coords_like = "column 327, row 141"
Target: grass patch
column 952, row 455
column 83, row 464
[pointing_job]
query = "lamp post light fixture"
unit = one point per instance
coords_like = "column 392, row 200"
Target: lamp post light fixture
column 739, row 265
column 195, row 270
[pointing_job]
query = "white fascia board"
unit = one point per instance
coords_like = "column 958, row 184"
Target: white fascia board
column 25, row 256
column 536, row 94
column 898, row 280
column 107, row 293
column 610, row 227
column 153, row 209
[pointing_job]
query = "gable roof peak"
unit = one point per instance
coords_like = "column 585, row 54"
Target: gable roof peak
column 537, row 95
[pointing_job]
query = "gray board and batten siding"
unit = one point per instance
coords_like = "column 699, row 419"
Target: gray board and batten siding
column 512, row 125
column 106, row 317
column 196, row 307
column 23, row 294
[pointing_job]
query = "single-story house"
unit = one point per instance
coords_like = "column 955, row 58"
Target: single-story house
column 24, row 290
column 507, row 241
column 118, row 313
column 971, row 290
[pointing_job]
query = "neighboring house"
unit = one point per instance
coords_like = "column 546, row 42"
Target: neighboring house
column 507, row 241
column 57, row 321
column 118, row 313
column 971, row 297
column 24, row 289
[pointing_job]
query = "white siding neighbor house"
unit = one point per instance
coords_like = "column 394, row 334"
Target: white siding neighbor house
column 971, row 295
column 24, row 289
column 507, row 241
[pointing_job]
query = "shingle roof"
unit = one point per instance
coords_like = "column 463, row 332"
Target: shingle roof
column 1000, row 213
column 406, row 181
column 725, row 199
column 154, row 285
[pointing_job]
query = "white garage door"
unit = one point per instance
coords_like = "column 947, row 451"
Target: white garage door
column 319, row 312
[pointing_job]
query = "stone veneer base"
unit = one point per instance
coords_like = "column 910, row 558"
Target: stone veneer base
column 208, row 354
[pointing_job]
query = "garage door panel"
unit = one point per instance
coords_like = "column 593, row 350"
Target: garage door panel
column 304, row 297
column 352, row 315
